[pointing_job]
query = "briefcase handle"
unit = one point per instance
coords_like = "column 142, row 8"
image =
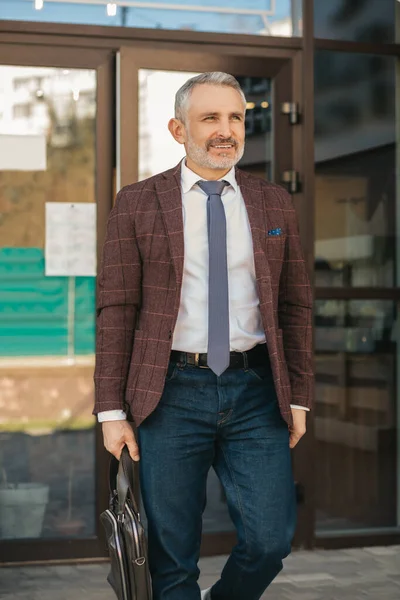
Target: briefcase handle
column 123, row 477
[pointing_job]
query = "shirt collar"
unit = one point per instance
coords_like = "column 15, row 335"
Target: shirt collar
column 189, row 178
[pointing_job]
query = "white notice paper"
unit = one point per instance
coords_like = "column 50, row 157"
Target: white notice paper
column 70, row 239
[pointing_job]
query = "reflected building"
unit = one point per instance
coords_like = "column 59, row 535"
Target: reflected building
column 356, row 250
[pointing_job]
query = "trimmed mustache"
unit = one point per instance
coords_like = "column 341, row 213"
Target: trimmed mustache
column 220, row 142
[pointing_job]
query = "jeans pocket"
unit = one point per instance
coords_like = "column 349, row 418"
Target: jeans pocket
column 260, row 373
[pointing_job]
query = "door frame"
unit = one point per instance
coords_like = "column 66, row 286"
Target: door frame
column 102, row 61
column 284, row 67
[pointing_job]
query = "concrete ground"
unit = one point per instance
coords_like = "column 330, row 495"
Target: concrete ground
column 355, row 574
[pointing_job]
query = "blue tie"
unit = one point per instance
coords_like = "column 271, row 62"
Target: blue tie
column 218, row 293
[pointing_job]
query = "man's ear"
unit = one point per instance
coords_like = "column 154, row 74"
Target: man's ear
column 177, row 130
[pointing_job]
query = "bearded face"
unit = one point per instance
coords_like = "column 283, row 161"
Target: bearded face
column 217, row 153
column 214, row 127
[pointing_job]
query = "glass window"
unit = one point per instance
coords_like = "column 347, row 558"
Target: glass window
column 357, row 20
column 258, row 17
column 356, row 414
column 158, row 151
column 357, row 170
column 47, row 439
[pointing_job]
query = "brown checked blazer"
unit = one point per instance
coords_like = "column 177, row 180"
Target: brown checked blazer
column 139, row 287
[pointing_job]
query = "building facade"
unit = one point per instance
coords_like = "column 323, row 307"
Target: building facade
column 86, row 90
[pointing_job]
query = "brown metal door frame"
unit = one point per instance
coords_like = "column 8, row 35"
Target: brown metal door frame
column 102, row 61
column 291, row 151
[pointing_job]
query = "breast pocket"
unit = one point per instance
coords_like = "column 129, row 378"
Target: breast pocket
column 275, row 247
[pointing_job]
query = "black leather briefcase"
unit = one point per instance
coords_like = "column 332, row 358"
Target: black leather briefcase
column 126, row 540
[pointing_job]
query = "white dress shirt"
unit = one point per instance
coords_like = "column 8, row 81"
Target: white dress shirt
column 245, row 324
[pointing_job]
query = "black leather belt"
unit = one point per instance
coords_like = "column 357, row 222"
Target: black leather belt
column 256, row 357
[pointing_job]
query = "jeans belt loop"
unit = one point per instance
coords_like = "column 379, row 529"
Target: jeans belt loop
column 182, row 362
column 245, row 361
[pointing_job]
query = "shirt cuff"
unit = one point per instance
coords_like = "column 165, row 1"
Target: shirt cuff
column 111, row 415
column 300, row 407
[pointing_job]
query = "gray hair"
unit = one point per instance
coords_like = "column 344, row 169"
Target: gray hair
column 213, row 78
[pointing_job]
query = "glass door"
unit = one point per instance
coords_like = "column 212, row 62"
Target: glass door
column 357, row 296
column 53, row 199
column 149, row 81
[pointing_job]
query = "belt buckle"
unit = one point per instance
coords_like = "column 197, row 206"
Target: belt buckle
column 196, row 361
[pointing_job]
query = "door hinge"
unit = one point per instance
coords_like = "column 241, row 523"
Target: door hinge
column 292, row 181
column 291, row 109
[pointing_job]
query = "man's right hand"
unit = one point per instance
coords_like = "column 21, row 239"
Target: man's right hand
column 116, row 435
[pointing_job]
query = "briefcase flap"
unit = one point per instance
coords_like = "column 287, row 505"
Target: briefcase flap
column 118, row 577
column 136, row 552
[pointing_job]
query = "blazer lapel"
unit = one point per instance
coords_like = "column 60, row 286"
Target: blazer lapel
column 253, row 198
column 252, row 195
column 169, row 193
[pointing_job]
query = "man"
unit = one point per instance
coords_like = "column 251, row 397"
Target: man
column 204, row 338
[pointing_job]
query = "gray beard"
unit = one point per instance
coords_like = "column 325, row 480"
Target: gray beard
column 201, row 157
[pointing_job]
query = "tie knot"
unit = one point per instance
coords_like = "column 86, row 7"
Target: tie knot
column 212, row 187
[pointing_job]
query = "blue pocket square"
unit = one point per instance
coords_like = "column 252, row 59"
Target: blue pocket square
column 276, row 231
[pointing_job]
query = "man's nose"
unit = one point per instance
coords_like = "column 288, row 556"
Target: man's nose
column 225, row 130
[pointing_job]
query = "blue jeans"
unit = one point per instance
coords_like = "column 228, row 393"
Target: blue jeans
column 231, row 423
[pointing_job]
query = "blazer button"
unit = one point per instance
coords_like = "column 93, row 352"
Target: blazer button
column 169, row 335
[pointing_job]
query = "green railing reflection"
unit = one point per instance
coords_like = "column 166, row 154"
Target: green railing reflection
column 34, row 308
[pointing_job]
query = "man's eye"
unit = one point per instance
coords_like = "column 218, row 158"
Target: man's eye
column 211, row 118
column 237, row 118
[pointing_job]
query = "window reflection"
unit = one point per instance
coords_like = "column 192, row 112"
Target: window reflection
column 357, row 20
column 257, row 158
column 47, row 443
column 356, row 196
column 47, row 481
column 259, row 17
column 158, row 151
column 357, row 352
